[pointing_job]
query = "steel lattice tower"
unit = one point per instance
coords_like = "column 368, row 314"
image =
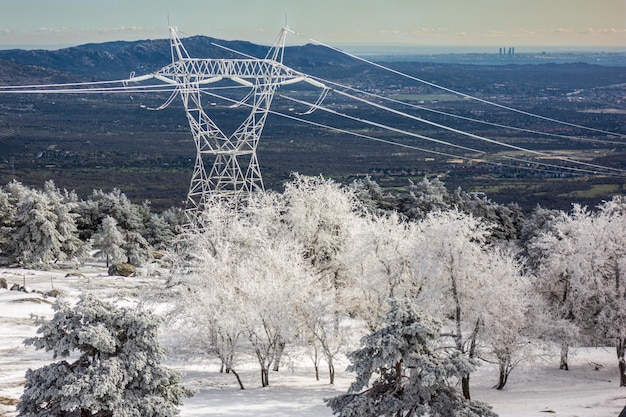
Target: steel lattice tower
column 234, row 168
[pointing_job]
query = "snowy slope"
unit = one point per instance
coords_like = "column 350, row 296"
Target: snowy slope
column 537, row 390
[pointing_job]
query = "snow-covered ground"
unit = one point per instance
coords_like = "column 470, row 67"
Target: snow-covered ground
column 534, row 390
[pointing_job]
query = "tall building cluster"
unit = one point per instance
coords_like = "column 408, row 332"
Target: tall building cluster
column 507, row 52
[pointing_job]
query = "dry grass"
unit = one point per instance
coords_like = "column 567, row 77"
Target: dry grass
column 8, row 400
column 33, row 300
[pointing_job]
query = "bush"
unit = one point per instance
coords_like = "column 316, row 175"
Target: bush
column 118, row 372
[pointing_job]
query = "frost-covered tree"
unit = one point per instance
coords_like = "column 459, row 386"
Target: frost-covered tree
column 45, row 231
column 273, row 297
column 109, row 242
column 129, row 216
column 324, row 330
column 506, row 220
column 158, row 232
column 208, row 312
column 130, row 220
column 63, row 204
column 118, row 370
column 510, row 318
column 8, row 208
column 583, row 274
column 424, row 197
column 244, row 274
column 318, row 212
column 454, row 276
column 382, row 261
column 138, row 250
column 541, row 221
column 430, row 195
column 411, row 376
column 537, row 239
column 372, row 198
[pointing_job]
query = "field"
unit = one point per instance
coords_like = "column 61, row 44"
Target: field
column 588, row 389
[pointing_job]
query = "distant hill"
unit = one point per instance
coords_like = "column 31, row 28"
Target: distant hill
column 12, row 73
column 116, row 60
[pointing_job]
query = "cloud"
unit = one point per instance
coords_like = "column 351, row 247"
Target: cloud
column 386, row 32
column 432, row 30
column 117, row 29
column 498, row 34
column 131, row 29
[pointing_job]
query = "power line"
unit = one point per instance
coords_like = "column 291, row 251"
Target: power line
column 470, row 119
column 474, row 136
column 553, row 168
column 442, row 142
column 456, row 92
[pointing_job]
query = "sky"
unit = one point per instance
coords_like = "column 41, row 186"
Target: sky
column 469, row 23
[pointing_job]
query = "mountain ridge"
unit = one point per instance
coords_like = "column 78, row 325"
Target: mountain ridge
column 117, row 59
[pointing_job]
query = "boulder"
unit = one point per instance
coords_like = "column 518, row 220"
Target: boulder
column 22, row 288
column 124, row 270
column 3, row 283
column 52, row 293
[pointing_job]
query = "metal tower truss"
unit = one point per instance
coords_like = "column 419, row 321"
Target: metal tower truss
column 234, row 168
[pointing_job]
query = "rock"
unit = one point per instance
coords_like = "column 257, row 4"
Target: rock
column 22, row 288
column 74, row 274
column 124, row 270
column 3, row 283
column 52, row 293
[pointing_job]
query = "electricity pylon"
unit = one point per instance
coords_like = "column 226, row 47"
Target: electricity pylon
column 234, row 168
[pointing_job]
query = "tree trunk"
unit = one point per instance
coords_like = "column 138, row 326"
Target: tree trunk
column 621, row 350
column 316, row 361
column 265, row 377
column 465, row 384
column 504, row 372
column 238, row 378
column 564, row 353
column 399, row 372
column 280, row 348
column 465, row 379
column 331, row 371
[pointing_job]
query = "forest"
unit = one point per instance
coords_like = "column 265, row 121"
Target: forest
column 416, row 287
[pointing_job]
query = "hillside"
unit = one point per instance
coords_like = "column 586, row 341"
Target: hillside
column 116, row 60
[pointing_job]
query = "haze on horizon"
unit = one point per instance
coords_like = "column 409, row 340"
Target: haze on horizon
column 50, row 24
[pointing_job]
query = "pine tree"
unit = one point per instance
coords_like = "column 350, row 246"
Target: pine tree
column 118, row 371
column 63, row 205
column 411, row 376
column 42, row 227
column 7, row 219
column 36, row 242
column 109, row 241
